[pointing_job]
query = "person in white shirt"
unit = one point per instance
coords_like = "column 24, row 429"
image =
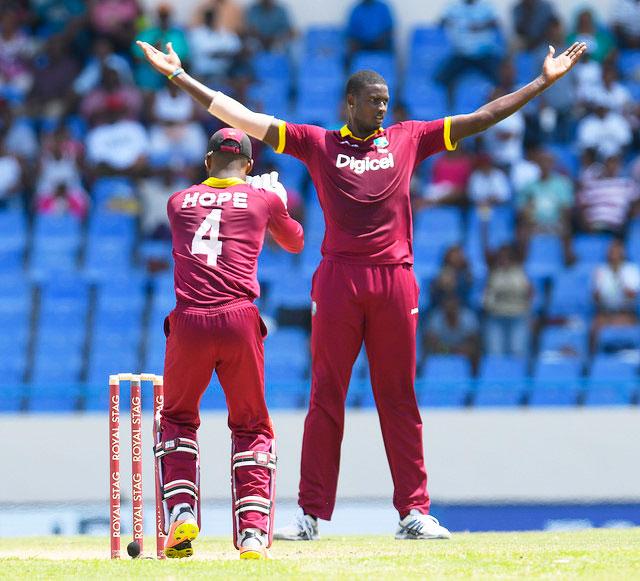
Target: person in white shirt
column 505, row 140
column 616, row 287
column 212, row 49
column 119, row 145
column 625, row 21
column 488, row 185
column 603, row 126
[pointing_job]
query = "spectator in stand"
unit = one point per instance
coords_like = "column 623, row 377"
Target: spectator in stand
column 175, row 144
column 213, row 49
column 117, row 145
column 102, row 58
column 18, row 134
column 626, row 23
column 115, row 20
column 506, row 300
column 603, row 127
column 62, row 201
column 54, row 72
column 531, row 19
column 16, row 51
column 616, row 95
column 488, row 184
column 452, row 329
column 269, row 25
column 556, row 108
column 59, row 176
column 527, row 170
column 454, row 278
column 154, row 192
column 10, row 179
column 370, row 27
column 55, row 17
column 545, row 205
column 597, row 38
column 230, row 14
column 449, row 179
column 504, row 142
column 162, row 31
column 616, row 287
column 172, row 105
column 473, row 30
column 606, row 197
column 111, row 89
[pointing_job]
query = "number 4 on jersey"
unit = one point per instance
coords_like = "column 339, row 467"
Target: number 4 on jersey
column 211, row 247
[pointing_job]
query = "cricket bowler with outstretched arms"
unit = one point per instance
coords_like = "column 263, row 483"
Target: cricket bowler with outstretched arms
column 218, row 228
column 364, row 289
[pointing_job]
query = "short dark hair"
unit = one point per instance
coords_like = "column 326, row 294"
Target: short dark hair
column 360, row 79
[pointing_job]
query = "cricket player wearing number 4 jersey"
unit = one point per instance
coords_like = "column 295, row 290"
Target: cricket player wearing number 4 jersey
column 364, row 290
column 218, row 228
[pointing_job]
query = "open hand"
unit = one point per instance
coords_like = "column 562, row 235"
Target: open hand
column 163, row 62
column 554, row 68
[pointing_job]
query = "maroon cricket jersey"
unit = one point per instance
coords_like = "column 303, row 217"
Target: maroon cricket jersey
column 218, row 229
column 363, row 184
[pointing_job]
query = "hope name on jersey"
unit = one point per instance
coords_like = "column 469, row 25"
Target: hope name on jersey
column 218, row 229
column 363, row 185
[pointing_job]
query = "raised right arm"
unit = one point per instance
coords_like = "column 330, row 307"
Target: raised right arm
column 258, row 125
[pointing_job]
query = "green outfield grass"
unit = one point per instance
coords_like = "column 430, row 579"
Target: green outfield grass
column 587, row 554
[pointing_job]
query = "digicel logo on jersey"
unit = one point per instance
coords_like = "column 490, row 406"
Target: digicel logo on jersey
column 360, row 166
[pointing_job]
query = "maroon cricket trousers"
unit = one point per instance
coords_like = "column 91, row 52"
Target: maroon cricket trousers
column 377, row 304
column 228, row 340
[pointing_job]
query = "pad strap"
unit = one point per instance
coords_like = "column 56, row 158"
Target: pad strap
column 179, row 487
column 254, row 458
column 257, row 503
column 176, row 445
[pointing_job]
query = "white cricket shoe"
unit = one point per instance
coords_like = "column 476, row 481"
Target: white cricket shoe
column 253, row 544
column 303, row 528
column 417, row 526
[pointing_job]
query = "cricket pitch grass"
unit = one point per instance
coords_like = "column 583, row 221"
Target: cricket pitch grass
column 591, row 554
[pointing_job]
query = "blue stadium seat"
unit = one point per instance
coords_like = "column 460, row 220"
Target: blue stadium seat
column 56, row 367
column 591, row 248
column 59, row 396
column 629, row 64
column 633, row 241
column 380, row 62
column 444, row 381
column 213, row 397
column 502, row 381
column 526, row 65
column 564, row 342
column 293, row 292
column 425, row 99
column 612, row 381
column 471, row 91
column 274, row 264
column 545, row 256
column 428, row 48
column 556, row 381
column 567, row 160
column 571, row 293
column 12, row 395
column 106, row 189
column 269, row 96
column 616, row 338
column 272, row 65
column 324, row 41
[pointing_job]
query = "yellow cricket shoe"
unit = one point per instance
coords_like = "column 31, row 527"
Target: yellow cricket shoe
column 183, row 530
column 253, row 544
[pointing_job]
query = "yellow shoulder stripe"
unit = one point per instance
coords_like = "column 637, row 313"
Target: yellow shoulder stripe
column 447, row 135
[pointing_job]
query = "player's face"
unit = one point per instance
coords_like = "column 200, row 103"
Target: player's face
column 370, row 107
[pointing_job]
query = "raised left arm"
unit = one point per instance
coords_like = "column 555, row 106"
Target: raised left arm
column 553, row 68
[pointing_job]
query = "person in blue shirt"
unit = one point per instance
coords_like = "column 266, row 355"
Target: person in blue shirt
column 370, row 27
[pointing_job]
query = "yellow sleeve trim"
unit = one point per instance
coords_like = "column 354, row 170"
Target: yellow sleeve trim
column 447, row 135
column 282, row 137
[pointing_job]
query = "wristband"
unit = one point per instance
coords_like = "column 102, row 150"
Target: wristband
column 175, row 73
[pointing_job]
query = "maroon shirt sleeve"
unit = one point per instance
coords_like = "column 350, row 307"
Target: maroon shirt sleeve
column 285, row 230
column 432, row 136
column 299, row 140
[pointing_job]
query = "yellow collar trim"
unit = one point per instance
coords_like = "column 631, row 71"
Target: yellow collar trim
column 346, row 132
column 222, row 182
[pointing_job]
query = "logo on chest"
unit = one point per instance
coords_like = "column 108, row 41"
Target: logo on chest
column 359, row 166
